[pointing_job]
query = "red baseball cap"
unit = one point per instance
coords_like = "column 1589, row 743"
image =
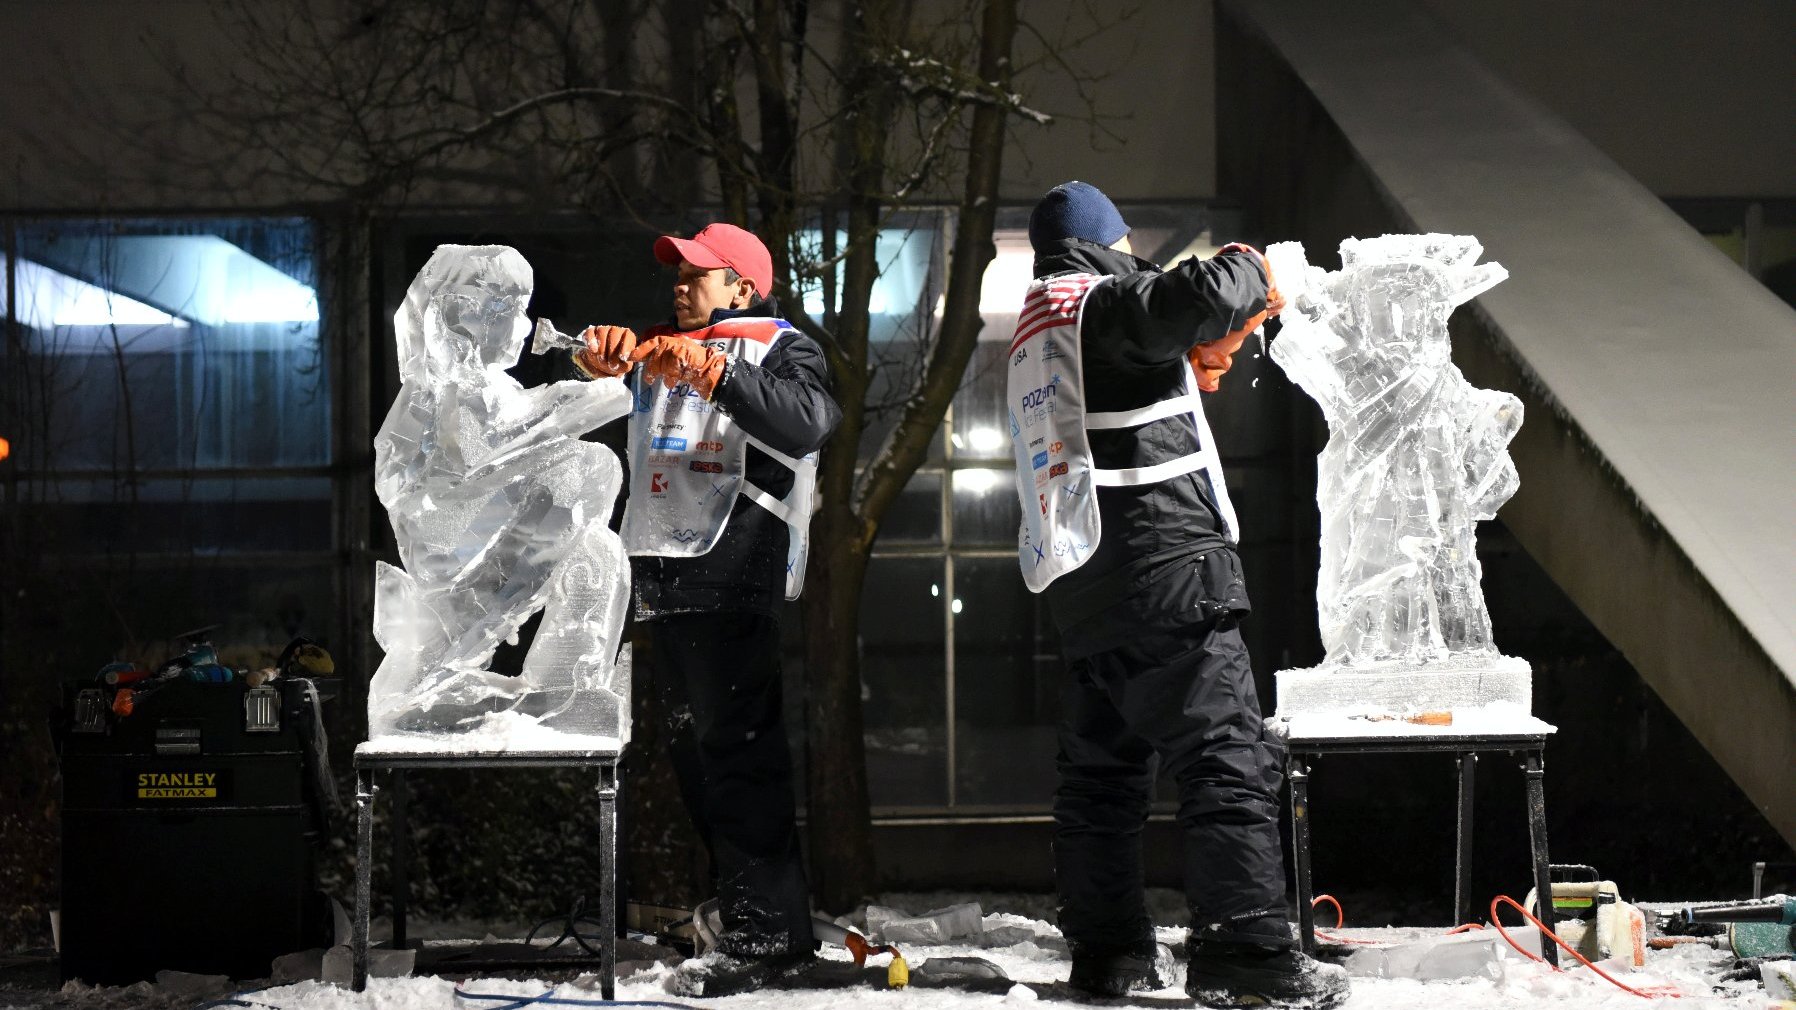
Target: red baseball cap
column 721, row 245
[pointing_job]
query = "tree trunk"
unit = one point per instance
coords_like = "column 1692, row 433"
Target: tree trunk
column 840, row 832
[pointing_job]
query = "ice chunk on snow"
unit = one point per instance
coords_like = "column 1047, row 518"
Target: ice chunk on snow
column 933, row 927
column 1461, row 955
column 1416, row 454
column 499, row 510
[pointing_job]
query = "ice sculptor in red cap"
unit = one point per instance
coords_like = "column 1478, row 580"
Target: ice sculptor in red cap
column 721, row 245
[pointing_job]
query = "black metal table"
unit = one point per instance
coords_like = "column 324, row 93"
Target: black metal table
column 1305, row 744
column 370, row 758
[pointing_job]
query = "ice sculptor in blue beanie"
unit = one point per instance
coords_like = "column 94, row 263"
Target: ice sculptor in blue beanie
column 1074, row 210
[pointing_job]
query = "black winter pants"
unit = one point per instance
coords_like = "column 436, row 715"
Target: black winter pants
column 1183, row 700
column 717, row 694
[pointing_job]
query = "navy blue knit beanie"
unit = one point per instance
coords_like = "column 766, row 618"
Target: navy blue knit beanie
column 1074, row 210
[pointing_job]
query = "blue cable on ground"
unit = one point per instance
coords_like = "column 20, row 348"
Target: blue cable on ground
column 549, row 998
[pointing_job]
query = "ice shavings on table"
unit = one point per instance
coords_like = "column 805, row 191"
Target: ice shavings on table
column 493, row 733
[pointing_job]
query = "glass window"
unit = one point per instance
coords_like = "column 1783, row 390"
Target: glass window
column 905, row 702
column 980, row 428
column 916, row 516
column 904, row 290
column 986, row 512
column 1006, row 687
column 169, row 411
column 202, row 516
column 159, row 345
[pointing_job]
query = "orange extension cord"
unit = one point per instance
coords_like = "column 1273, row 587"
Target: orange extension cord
column 1650, row 992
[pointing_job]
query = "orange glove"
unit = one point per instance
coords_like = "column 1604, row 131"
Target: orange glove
column 1210, row 361
column 674, row 359
column 607, row 351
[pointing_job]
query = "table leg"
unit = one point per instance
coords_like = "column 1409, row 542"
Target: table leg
column 1462, row 849
column 400, row 870
column 1533, row 767
column 364, row 876
column 608, row 880
column 1297, row 769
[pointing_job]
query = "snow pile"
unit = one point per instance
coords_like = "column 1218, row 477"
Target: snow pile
column 1035, row 958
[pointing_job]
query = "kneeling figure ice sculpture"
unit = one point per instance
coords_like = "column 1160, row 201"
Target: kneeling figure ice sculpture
column 500, row 510
column 1415, row 456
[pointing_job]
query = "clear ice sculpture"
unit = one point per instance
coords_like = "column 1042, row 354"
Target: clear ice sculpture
column 499, row 510
column 1415, row 455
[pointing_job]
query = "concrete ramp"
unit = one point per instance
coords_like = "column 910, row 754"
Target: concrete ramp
column 1658, row 460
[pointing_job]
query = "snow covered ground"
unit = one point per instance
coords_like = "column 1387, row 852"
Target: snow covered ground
column 1029, row 950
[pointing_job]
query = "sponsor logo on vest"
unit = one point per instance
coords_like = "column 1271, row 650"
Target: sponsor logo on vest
column 676, row 426
column 1055, row 448
column 707, row 466
column 1057, row 470
column 1039, row 396
column 657, row 483
column 1044, row 503
column 1040, row 460
column 668, row 442
column 709, row 447
column 685, row 536
column 177, row 785
column 1051, row 352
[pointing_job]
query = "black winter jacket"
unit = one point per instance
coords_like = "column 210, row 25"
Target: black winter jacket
column 785, row 402
column 1162, row 560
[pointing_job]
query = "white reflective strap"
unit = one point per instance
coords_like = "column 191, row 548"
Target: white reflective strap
column 1231, row 526
column 1134, row 476
column 787, row 514
column 1185, row 404
column 789, row 462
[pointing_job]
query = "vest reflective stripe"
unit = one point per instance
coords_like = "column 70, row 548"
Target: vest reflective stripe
column 1136, row 476
column 1056, row 475
column 688, row 462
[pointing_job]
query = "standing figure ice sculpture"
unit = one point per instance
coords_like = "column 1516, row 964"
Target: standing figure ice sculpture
column 499, row 510
column 1415, row 453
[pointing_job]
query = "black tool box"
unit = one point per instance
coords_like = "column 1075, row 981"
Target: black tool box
column 188, row 828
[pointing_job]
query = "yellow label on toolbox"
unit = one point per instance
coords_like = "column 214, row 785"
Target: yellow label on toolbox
column 177, row 785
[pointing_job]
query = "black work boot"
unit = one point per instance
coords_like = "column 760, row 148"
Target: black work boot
column 1145, row 967
column 1231, row 973
column 721, row 974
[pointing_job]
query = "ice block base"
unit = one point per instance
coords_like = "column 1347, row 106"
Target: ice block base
column 1470, row 682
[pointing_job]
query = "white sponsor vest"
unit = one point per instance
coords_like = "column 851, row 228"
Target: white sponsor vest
column 687, row 462
column 1055, row 475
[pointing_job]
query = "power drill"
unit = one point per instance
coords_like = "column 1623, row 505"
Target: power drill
column 1754, row 929
column 1751, row 911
